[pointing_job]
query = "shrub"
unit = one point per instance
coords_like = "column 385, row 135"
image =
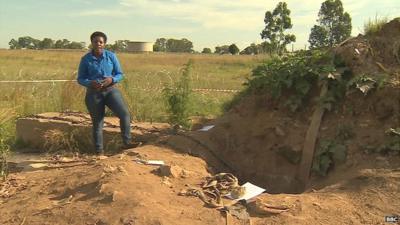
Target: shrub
column 294, row 75
column 177, row 98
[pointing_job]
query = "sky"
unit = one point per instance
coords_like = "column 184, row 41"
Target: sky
column 207, row 23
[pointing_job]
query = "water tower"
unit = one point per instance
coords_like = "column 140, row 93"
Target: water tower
column 140, row 46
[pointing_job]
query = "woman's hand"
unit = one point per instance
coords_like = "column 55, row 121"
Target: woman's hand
column 107, row 81
column 97, row 86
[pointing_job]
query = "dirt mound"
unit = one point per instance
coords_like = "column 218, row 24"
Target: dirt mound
column 71, row 131
column 261, row 141
column 375, row 54
column 112, row 191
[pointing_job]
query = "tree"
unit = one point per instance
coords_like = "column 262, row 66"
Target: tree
column 62, row 44
column 266, row 47
column 233, row 49
column 250, row 50
column 107, row 46
column 318, row 37
column 334, row 25
column 160, row 45
column 183, row 45
column 76, row 45
column 276, row 23
column 28, row 42
column 206, row 51
column 14, row 44
column 46, row 43
column 224, row 49
column 120, row 45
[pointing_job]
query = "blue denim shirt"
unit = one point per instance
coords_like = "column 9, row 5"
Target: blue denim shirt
column 93, row 68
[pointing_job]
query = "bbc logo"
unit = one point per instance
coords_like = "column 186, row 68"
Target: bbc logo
column 392, row 219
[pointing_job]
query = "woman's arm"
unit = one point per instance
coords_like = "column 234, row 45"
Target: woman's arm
column 83, row 73
column 117, row 75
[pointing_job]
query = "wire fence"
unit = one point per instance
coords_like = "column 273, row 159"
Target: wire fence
column 140, row 88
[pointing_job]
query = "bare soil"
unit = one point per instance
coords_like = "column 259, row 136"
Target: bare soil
column 118, row 190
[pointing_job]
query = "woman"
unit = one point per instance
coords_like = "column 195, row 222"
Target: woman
column 99, row 71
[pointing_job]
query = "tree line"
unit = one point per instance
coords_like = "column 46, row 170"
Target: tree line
column 333, row 26
column 47, row 43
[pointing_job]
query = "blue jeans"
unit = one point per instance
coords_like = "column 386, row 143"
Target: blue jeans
column 96, row 102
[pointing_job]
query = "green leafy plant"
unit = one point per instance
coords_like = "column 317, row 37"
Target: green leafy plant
column 293, row 76
column 332, row 152
column 391, row 145
column 344, row 132
column 329, row 153
column 177, row 98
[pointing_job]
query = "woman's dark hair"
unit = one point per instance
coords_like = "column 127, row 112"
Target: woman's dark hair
column 98, row 34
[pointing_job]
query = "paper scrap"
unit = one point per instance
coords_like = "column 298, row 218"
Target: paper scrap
column 206, row 128
column 37, row 165
column 251, row 191
column 150, row 162
column 155, row 162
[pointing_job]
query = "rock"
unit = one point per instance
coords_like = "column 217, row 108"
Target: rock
column 317, row 205
column 122, row 170
column 101, row 222
column 38, row 165
column 165, row 181
column 289, row 154
column 171, row 171
column 185, row 174
column 130, row 220
column 279, row 131
column 66, row 159
column 259, row 207
column 109, row 169
column 102, row 157
column 118, row 196
column 106, row 189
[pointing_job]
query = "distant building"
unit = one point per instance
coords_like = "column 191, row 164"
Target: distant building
column 139, row 46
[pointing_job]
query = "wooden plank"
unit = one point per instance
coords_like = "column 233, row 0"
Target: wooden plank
column 310, row 141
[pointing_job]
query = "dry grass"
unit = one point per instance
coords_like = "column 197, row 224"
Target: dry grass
column 58, row 141
column 373, row 26
column 142, row 71
column 6, row 115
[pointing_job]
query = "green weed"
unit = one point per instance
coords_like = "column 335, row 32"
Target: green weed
column 329, row 153
column 177, row 98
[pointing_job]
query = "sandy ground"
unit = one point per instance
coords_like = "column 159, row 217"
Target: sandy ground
column 118, row 190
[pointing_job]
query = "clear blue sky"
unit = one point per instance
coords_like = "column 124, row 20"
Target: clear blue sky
column 207, row 23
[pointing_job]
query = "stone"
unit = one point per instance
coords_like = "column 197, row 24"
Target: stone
column 118, row 196
column 171, row 171
column 279, row 131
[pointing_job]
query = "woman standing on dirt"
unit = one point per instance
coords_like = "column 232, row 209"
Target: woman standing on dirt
column 99, row 71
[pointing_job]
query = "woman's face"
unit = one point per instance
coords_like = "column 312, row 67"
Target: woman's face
column 98, row 44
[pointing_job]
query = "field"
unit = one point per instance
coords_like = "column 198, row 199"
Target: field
column 145, row 76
